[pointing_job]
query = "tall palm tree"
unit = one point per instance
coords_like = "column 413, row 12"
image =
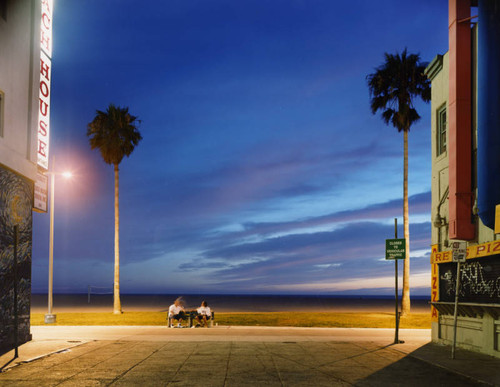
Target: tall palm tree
column 394, row 86
column 115, row 133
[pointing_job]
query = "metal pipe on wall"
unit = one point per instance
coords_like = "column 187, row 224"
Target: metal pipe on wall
column 488, row 117
column 459, row 125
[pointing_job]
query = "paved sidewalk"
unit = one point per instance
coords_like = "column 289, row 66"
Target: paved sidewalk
column 240, row 356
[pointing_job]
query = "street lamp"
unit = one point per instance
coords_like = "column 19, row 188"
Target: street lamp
column 50, row 318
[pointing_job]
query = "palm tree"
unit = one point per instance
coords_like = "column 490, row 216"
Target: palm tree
column 115, row 133
column 394, row 86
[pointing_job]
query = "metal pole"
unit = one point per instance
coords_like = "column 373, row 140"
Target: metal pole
column 49, row 317
column 455, row 314
column 396, row 334
column 51, row 243
column 16, row 312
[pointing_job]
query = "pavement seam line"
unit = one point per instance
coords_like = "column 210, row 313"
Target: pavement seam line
column 259, row 358
column 275, row 365
column 227, row 363
column 313, row 368
column 317, row 368
column 72, row 376
column 355, row 356
column 136, row 364
column 182, row 365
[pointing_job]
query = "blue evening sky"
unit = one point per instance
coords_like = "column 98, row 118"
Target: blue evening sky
column 262, row 169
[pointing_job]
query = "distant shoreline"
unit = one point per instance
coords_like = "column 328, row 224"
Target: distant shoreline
column 225, row 303
column 380, row 296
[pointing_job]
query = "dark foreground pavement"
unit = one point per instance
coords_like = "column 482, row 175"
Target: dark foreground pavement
column 156, row 356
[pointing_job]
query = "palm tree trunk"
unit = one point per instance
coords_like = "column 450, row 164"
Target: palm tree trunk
column 405, row 304
column 117, row 306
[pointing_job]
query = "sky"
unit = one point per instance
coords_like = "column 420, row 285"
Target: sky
column 261, row 170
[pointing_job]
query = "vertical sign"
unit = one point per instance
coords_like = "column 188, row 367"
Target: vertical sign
column 45, row 77
column 458, row 251
column 44, row 111
column 434, row 290
column 41, row 193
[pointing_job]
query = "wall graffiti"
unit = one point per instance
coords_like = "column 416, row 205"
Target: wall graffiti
column 480, row 281
column 16, row 195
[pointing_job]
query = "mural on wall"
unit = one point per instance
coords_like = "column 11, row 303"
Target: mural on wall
column 479, row 281
column 16, row 195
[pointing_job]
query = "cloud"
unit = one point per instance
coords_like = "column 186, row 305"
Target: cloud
column 418, row 280
column 264, row 173
column 355, row 250
column 418, row 204
column 194, row 265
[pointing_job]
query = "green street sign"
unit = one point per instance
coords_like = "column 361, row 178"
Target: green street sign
column 395, row 248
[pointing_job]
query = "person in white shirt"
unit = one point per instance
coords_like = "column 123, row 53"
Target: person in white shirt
column 204, row 314
column 176, row 311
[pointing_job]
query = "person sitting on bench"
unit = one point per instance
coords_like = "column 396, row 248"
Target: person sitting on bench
column 204, row 314
column 176, row 312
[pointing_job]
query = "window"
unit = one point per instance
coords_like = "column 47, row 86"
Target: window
column 441, row 130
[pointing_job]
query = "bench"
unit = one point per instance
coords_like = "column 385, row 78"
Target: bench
column 191, row 317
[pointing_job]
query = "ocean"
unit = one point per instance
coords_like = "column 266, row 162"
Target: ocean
column 224, row 303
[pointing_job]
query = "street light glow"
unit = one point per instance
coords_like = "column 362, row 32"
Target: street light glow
column 67, row 175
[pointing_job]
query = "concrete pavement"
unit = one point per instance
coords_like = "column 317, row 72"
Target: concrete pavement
column 239, row 356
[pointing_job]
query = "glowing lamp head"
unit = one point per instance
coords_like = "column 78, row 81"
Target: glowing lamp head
column 67, row 175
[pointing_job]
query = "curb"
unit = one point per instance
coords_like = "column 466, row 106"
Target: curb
column 17, row 361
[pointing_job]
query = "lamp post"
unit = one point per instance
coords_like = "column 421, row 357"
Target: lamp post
column 50, row 318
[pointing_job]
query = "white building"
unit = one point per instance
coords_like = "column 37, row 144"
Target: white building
column 20, row 43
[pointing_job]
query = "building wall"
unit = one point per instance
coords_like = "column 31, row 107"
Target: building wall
column 19, row 77
column 439, row 184
column 479, row 322
column 19, row 80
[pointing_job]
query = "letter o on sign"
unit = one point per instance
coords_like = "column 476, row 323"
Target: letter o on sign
column 44, row 89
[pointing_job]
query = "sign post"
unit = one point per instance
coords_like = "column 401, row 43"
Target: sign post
column 16, row 312
column 497, row 219
column 459, row 253
column 395, row 249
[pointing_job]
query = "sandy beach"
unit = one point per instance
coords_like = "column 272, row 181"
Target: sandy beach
column 225, row 303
